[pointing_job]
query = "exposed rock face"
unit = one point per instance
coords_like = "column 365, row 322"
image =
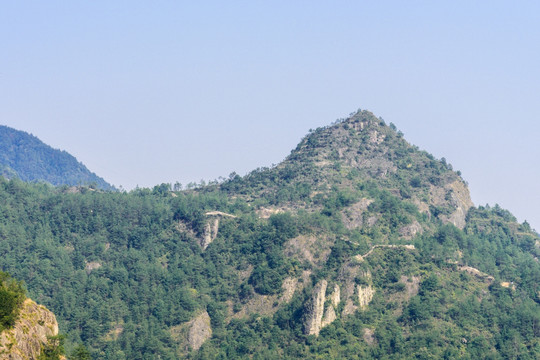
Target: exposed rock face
column 348, row 274
column 212, row 227
column 365, row 295
column 266, row 212
column 455, row 195
column 315, row 320
column 93, row 265
column 26, row 339
column 369, row 336
column 210, row 232
column 289, row 287
column 410, row 231
column 376, row 138
column 353, row 215
column 315, row 310
column 330, row 313
column 199, row 331
column 310, row 249
column 329, row 316
column 335, row 298
column 412, row 285
column 268, row 304
column 191, row 335
column 461, row 199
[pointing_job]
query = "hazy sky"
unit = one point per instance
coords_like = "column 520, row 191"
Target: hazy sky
column 146, row 92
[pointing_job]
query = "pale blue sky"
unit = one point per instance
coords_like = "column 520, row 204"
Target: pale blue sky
column 149, row 92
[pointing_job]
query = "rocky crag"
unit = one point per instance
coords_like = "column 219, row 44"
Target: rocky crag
column 30, row 333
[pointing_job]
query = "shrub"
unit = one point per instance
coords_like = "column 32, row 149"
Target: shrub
column 12, row 295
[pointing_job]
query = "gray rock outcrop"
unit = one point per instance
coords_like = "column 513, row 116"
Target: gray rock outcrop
column 315, row 309
column 317, row 315
column 199, row 331
column 335, row 297
column 211, row 227
column 210, row 232
column 329, row 316
column 30, row 333
column 365, row 295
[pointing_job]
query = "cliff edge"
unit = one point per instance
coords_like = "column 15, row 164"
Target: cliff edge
column 26, row 339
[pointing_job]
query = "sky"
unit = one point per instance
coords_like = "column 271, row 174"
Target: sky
column 145, row 93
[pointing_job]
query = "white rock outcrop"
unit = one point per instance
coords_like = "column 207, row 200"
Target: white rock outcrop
column 211, row 227
column 210, row 232
column 335, row 298
column 329, row 316
column 317, row 315
column 315, row 310
column 365, row 295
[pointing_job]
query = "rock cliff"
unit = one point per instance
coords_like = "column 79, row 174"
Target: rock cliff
column 210, row 232
column 211, row 227
column 365, row 295
column 29, row 334
column 199, row 331
column 192, row 335
column 315, row 309
column 460, row 198
column 317, row 315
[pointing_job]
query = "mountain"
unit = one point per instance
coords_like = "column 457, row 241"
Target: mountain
column 358, row 245
column 361, row 152
column 24, row 156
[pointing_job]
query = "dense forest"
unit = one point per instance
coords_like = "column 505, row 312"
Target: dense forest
column 26, row 157
column 354, row 207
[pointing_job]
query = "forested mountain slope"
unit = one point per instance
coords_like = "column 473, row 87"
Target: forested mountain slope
column 25, row 156
column 358, row 245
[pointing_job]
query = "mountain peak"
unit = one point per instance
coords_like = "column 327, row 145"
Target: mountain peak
column 361, row 131
column 358, row 152
column 26, row 157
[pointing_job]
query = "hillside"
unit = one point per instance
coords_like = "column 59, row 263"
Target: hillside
column 25, row 156
column 358, row 245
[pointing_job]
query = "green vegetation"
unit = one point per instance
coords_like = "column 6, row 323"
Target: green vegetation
column 54, row 348
column 124, row 272
column 12, row 295
column 80, row 353
column 26, row 157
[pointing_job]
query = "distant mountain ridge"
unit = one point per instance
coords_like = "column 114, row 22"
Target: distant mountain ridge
column 26, row 157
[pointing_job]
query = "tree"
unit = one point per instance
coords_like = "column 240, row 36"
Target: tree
column 54, row 348
column 80, row 353
column 12, row 295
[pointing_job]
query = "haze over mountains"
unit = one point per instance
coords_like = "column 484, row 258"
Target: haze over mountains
column 24, row 156
column 358, row 245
